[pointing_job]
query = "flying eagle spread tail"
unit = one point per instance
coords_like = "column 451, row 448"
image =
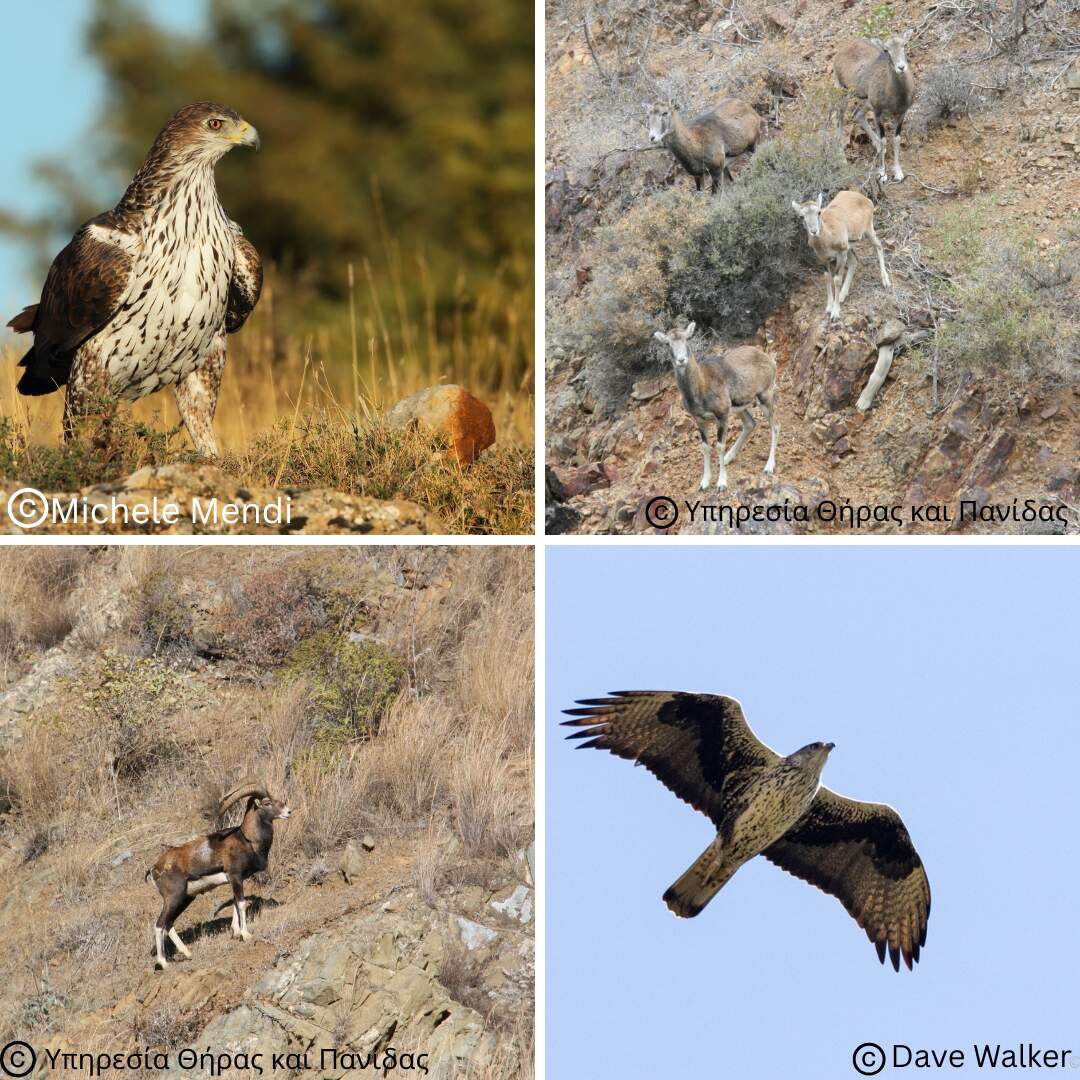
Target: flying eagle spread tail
column 701, row 882
column 142, row 296
column 701, row 748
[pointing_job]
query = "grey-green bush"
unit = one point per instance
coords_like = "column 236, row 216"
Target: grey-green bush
column 1017, row 319
column 945, row 93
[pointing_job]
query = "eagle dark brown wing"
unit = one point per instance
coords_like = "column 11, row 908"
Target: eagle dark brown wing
column 82, row 293
column 861, row 853
column 694, row 744
column 244, row 286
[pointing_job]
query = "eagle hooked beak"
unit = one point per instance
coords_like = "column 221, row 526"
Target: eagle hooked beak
column 246, row 135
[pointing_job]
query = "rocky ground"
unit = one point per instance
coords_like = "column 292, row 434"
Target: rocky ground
column 430, row 465
column 204, row 500
column 375, row 929
column 988, row 442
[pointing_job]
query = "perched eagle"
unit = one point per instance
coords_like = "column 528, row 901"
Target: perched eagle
column 701, row 747
column 144, row 294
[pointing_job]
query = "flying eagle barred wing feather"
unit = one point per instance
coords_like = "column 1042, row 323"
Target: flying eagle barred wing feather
column 861, row 853
column 692, row 743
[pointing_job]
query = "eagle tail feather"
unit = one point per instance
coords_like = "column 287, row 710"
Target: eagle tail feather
column 33, row 382
column 705, row 878
column 23, row 323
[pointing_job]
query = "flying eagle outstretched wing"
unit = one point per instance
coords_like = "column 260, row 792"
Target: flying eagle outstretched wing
column 861, row 853
column 82, row 293
column 692, row 743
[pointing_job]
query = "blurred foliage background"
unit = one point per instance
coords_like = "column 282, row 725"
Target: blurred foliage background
column 397, row 152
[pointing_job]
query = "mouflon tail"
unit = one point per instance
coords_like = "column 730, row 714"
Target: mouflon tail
column 700, row 883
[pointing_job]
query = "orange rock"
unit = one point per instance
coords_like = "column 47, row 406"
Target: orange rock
column 465, row 421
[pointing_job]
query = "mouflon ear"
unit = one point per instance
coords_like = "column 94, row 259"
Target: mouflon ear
column 905, row 37
column 796, row 207
column 690, row 329
column 877, row 43
column 661, row 337
column 820, row 199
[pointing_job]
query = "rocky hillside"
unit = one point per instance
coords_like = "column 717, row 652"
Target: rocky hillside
column 981, row 405
column 386, row 695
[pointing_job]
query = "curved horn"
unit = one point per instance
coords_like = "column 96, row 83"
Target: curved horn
column 249, row 787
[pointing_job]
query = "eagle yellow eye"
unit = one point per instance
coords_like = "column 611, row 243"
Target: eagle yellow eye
column 214, row 124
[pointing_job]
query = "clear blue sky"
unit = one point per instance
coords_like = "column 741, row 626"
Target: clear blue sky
column 52, row 91
column 946, row 676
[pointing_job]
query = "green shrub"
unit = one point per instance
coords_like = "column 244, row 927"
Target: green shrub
column 878, row 21
column 1016, row 317
column 107, row 445
column 161, row 623
column 350, row 685
column 131, row 707
column 726, row 262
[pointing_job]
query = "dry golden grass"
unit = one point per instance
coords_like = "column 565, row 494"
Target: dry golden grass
column 357, row 365
column 304, row 409
column 445, row 787
column 38, row 601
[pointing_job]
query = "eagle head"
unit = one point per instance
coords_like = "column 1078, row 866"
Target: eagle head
column 207, row 131
column 812, row 756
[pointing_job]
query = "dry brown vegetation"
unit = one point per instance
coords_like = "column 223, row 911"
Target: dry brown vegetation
column 185, row 670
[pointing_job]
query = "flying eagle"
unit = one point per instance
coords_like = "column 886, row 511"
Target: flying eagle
column 144, row 294
column 701, row 748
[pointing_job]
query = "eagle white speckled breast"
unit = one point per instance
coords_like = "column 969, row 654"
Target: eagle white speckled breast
column 175, row 304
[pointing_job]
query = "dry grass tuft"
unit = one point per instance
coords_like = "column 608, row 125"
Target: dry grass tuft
column 429, row 866
column 38, row 602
